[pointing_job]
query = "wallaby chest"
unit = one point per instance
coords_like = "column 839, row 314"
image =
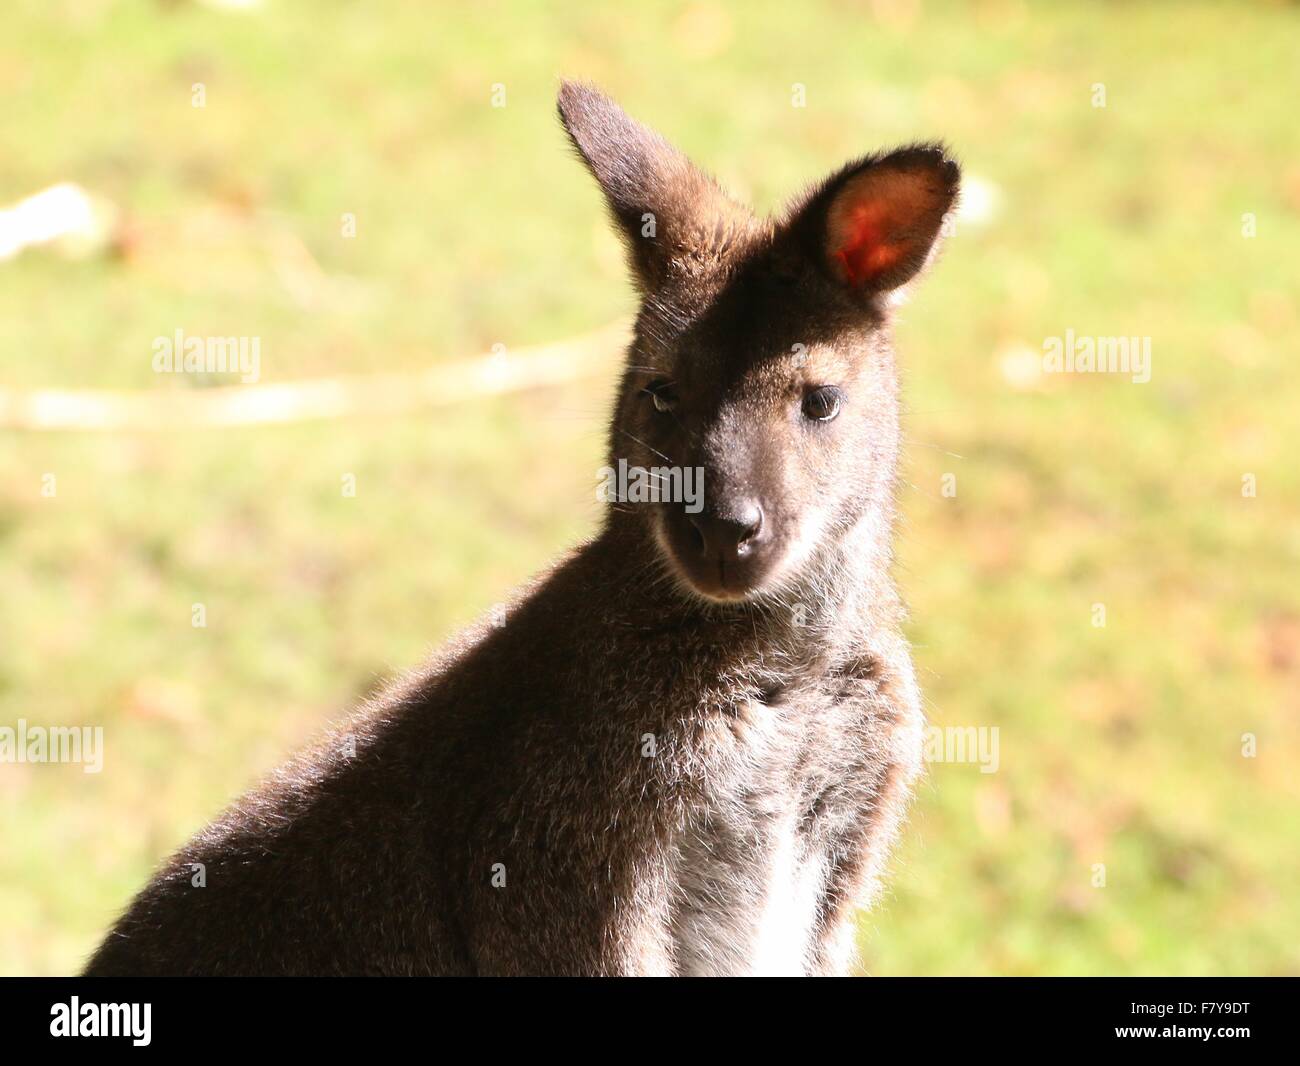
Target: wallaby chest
column 755, row 861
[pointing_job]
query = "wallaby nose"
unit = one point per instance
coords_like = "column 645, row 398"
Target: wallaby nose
column 731, row 534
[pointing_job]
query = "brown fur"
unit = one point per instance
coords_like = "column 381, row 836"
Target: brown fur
column 688, row 754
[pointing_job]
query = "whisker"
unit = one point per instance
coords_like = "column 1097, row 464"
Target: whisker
column 645, row 445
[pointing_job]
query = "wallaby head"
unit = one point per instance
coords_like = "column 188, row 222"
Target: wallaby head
column 762, row 354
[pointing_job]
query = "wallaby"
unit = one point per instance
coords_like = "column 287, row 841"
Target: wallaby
column 686, row 749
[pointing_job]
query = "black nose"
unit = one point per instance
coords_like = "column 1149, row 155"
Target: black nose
column 731, row 534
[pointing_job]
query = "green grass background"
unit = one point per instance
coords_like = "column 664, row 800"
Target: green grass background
column 1120, row 745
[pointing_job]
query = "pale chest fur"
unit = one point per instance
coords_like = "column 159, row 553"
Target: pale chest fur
column 789, row 790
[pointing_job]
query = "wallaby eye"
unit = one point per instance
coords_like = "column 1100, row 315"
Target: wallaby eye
column 823, row 403
column 663, row 394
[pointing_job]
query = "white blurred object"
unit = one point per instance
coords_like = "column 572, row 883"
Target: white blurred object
column 63, row 215
column 1021, row 367
column 980, row 201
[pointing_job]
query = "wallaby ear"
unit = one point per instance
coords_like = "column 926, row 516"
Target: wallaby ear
column 875, row 224
column 664, row 208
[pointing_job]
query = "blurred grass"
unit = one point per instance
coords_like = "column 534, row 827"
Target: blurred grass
column 1119, row 745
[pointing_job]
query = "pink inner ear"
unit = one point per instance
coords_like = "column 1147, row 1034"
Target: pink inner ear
column 863, row 250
